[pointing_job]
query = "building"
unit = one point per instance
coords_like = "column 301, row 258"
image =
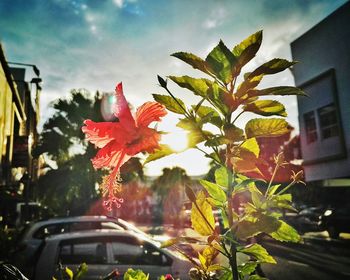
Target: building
column 324, row 116
column 18, row 135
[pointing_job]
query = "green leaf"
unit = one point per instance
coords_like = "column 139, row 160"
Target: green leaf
column 272, row 67
column 282, row 90
column 164, row 150
column 193, row 60
column 266, row 108
column 195, row 137
column 258, row 252
column 246, row 50
column 266, row 127
column 273, row 189
column 204, row 111
column 219, row 97
column 223, row 177
column 286, row 233
column 247, row 268
column 82, row 269
column 214, row 190
column 197, row 86
column 221, row 62
column 182, row 239
column 69, row 273
column 217, row 140
column 187, row 124
column 214, row 267
column 176, row 106
column 138, row 274
column 202, row 218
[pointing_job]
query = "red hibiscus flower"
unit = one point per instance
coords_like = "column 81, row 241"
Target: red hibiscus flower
column 119, row 141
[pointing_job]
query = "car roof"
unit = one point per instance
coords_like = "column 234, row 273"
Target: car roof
column 99, row 233
column 73, row 219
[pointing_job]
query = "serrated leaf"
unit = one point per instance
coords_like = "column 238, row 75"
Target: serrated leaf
column 245, row 161
column 246, row 50
column 214, row 190
column 221, row 62
column 199, row 86
column 248, row 84
column 193, row 60
column 162, row 151
column 202, row 218
column 281, row 90
column 266, row 108
column 266, row 127
column 272, row 67
column 174, row 105
column 234, row 133
column 258, row 252
column 223, row 177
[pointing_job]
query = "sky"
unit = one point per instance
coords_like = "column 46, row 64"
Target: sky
column 94, row 44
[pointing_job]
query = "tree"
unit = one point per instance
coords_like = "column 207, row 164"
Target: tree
column 170, row 188
column 69, row 176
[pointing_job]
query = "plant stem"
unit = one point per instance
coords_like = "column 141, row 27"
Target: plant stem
column 271, row 180
column 233, row 250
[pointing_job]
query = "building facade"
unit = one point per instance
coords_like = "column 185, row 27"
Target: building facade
column 324, row 116
column 18, row 135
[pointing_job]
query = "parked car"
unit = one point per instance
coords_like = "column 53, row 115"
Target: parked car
column 336, row 220
column 306, row 220
column 106, row 250
column 31, row 238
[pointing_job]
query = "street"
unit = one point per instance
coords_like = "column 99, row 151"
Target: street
column 317, row 258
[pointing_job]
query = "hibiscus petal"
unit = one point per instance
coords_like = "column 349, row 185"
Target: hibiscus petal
column 108, row 156
column 147, row 142
column 149, row 112
column 121, row 109
column 99, row 134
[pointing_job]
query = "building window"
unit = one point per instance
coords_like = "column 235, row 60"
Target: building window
column 328, row 121
column 310, row 127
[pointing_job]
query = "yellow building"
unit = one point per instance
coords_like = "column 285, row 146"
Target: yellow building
column 12, row 120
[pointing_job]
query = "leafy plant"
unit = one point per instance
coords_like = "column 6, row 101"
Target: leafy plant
column 223, row 97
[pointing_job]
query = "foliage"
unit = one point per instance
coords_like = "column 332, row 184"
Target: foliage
column 223, row 97
column 72, row 275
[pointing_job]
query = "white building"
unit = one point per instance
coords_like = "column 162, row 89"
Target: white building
column 324, row 117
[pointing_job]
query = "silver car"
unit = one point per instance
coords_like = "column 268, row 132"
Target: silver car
column 106, row 250
column 25, row 255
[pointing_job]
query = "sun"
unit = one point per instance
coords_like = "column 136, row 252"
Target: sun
column 176, row 139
